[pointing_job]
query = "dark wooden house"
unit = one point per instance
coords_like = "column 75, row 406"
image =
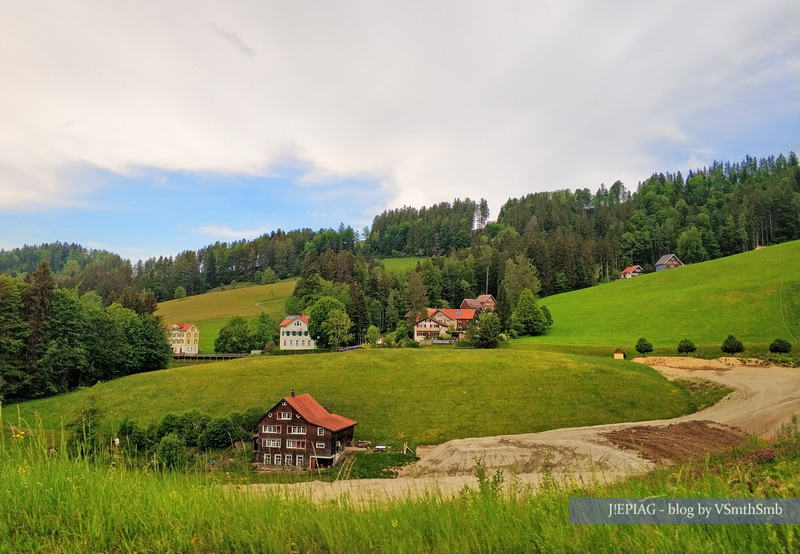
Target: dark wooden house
column 484, row 303
column 298, row 432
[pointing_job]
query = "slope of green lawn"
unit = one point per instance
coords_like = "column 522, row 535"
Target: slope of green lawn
column 210, row 311
column 755, row 296
column 426, row 395
column 400, row 265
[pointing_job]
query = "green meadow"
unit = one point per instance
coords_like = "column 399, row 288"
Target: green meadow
column 754, row 296
column 400, row 265
column 411, row 393
column 210, row 311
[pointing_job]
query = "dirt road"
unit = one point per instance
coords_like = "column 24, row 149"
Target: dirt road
column 763, row 399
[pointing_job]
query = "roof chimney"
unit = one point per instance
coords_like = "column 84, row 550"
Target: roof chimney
column 292, row 393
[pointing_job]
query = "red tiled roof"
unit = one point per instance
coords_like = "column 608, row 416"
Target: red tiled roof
column 291, row 318
column 181, row 326
column 314, row 413
column 484, row 298
column 473, row 303
column 629, row 269
column 457, row 313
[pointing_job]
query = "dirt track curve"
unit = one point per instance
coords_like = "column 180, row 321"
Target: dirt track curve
column 764, row 397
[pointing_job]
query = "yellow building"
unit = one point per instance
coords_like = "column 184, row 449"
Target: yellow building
column 184, row 338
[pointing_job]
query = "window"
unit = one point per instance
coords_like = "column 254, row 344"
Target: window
column 285, row 415
column 297, row 430
column 271, row 443
column 288, row 460
column 295, row 443
column 277, row 459
column 267, row 459
column 320, row 431
column 320, row 446
column 299, row 460
column 271, row 429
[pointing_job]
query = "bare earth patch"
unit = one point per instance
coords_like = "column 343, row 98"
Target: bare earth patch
column 764, row 397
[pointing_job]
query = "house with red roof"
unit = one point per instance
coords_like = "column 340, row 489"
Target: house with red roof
column 631, row 271
column 440, row 321
column 299, row 433
column 484, row 303
column 184, row 338
column 294, row 333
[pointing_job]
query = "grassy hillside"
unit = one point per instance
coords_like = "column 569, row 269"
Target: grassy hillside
column 427, row 395
column 754, row 296
column 400, row 265
column 210, row 311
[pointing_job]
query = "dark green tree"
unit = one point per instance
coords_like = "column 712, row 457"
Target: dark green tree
column 780, row 346
column 486, row 332
column 686, row 347
column 732, row 345
column 219, row 433
column 527, row 318
column 338, row 326
column 263, row 330
column 171, row 451
column 644, row 346
column 234, row 337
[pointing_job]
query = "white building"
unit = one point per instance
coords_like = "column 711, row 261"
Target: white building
column 294, row 333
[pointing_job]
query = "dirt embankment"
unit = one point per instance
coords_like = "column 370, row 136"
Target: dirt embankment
column 764, row 397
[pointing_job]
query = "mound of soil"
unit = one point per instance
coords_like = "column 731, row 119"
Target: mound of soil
column 670, row 444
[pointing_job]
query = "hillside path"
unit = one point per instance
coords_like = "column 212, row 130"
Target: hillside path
column 764, row 397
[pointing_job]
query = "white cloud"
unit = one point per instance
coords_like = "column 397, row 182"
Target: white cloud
column 435, row 100
column 223, row 232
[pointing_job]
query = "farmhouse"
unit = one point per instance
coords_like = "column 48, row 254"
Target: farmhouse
column 668, row 261
column 631, row 271
column 440, row 321
column 184, row 338
column 300, row 433
column 294, row 333
column 484, row 303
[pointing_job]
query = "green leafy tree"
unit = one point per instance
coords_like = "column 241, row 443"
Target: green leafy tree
column 780, row 346
column 338, row 325
column 269, row 276
column 519, row 275
column 373, row 333
column 416, row 296
column 527, row 318
column 317, row 318
column 155, row 350
column 234, row 337
column 85, row 436
column 180, row 292
column 690, row 246
column 732, row 345
column 401, row 331
column 686, row 347
column 14, row 331
column 486, row 332
column 644, row 346
column 219, row 433
column 262, row 331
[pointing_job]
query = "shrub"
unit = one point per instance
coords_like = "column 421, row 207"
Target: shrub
column 644, row 346
column 219, row 433
column 408, row 343
column 732, row 345
column 780, row 346
column 686, row 347
column 171, row 451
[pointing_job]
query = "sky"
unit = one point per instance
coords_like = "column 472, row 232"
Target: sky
column 149, row 128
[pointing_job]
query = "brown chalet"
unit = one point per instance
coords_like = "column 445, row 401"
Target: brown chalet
column 298, row 432
column 484, row 303
column 439, row 321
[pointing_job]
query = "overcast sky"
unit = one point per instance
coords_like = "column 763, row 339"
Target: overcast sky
column 149, row 128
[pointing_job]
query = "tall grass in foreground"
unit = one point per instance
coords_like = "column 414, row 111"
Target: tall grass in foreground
column 52, row 503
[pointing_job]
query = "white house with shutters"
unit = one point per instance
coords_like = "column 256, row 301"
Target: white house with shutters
column 294, row 333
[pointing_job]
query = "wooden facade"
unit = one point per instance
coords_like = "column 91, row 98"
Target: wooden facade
column 668, row 261
column 484, row 303
column 299, row 433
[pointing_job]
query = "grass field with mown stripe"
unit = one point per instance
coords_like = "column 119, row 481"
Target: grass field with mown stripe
column 754, row 296
column 428, row 395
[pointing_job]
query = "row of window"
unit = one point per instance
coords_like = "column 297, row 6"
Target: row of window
column 290, row 429
column 299, row 342
column 294, row 333
column 181, row 335
column 181, row 341
column 290, row 443
column 281, row 460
